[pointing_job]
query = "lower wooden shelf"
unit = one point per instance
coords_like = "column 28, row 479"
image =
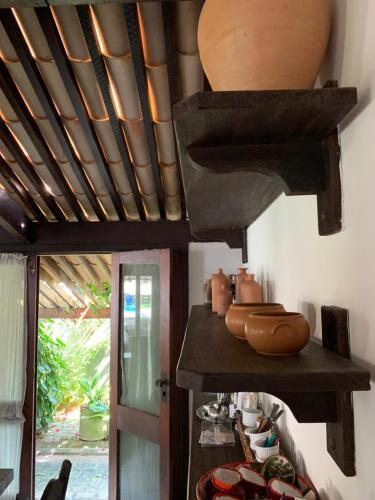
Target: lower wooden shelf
column 317, row 384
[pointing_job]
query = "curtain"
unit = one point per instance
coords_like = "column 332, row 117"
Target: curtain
column 12, row 364
column 139, row 458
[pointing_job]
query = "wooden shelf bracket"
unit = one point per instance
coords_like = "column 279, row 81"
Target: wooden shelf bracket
column 240, row 150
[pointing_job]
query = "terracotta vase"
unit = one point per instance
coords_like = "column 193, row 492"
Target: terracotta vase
column 263, row 44
column 240, row 277
column 224, row 300
column 238, row 313
column 277, row 333
column 217, row 280
column 250, row 290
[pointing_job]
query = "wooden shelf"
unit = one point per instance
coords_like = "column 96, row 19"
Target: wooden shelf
column 240, row 150
column 316, row 384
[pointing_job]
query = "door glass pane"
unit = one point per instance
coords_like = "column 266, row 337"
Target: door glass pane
column 138, row 468
column 140, row 337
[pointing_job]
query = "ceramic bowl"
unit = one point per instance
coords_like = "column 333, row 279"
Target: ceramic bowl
column 277, row 488
column 238, row 313
column 225, row 479
column 255, row 484
column 253, row 436
column 279, row 467
column 264, row 453
column 277, row 333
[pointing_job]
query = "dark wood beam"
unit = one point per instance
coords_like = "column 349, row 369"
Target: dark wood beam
column 53, row 38
column 39, row 87
column 28, row 169
column 13, row 219
column 21, row 191
column 102, row 78
column 106, row 237
column 27, row 120
column 169, row 24
column 132, row 23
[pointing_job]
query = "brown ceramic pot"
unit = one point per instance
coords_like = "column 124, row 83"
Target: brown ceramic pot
column 250, row 290
column 263, row 44
column 217, row 280
column 224, row 300
column 277, row 333
column 238, row 313
column 240, row 277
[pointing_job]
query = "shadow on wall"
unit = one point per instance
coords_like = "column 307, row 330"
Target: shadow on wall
column 345, row 15
column 330, row 493
column 268, row 286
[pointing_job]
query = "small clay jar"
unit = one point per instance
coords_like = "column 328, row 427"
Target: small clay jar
column 250, row 290
column 238, row 313
column 240, row 277
column 217, row 280
column 277, row 333
column 224, row 300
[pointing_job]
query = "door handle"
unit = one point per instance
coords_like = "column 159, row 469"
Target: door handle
column 161, row 382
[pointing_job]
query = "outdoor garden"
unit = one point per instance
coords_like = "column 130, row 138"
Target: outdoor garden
column 72, row 404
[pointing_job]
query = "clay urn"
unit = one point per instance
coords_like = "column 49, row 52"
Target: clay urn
column 224, row 300
column 263, row 44
column 217, row 280
column 240, row 277
column 250, row 290
column 277, row 333
column 238, row 313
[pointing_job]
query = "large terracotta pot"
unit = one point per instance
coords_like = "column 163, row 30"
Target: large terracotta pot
column 217, row 280
column 238, row 313
column 263, row 44
column 277, row 333
column 250, row 290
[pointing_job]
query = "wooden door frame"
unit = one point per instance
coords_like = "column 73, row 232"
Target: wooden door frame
column 27, row 467
column 173, row 478
column 179, row 316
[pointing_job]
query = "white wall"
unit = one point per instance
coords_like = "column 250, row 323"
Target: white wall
column 304, row 270
column 205, row 259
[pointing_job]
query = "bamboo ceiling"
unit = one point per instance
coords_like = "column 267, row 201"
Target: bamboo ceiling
column 86, row 130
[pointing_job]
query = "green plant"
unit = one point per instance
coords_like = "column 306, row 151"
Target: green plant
column 49, row 370
column 94, row 394
column 102, row 294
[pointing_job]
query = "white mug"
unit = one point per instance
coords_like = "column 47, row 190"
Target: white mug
column 250, row 415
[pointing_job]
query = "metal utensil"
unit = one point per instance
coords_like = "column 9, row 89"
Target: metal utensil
column 275, row 409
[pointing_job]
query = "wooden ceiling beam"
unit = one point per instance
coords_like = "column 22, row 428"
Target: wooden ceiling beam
column 104, row 268
column 132, row 23
column 15, row 99
column 51, row 285
column 15, row 35
column 106, row 237
column 46, row 299
column 71, row 272
column 102, row 78
column 80, row 313
column 30, row 172
column 21, row 191
column 89, row 269
column 169, row 25
column 56, row 272
column 13, row 219
column 53, row 38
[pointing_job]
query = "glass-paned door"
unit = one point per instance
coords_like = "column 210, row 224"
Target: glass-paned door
column 140, row 368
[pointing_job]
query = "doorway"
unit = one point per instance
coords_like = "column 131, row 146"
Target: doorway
column 73, row 358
